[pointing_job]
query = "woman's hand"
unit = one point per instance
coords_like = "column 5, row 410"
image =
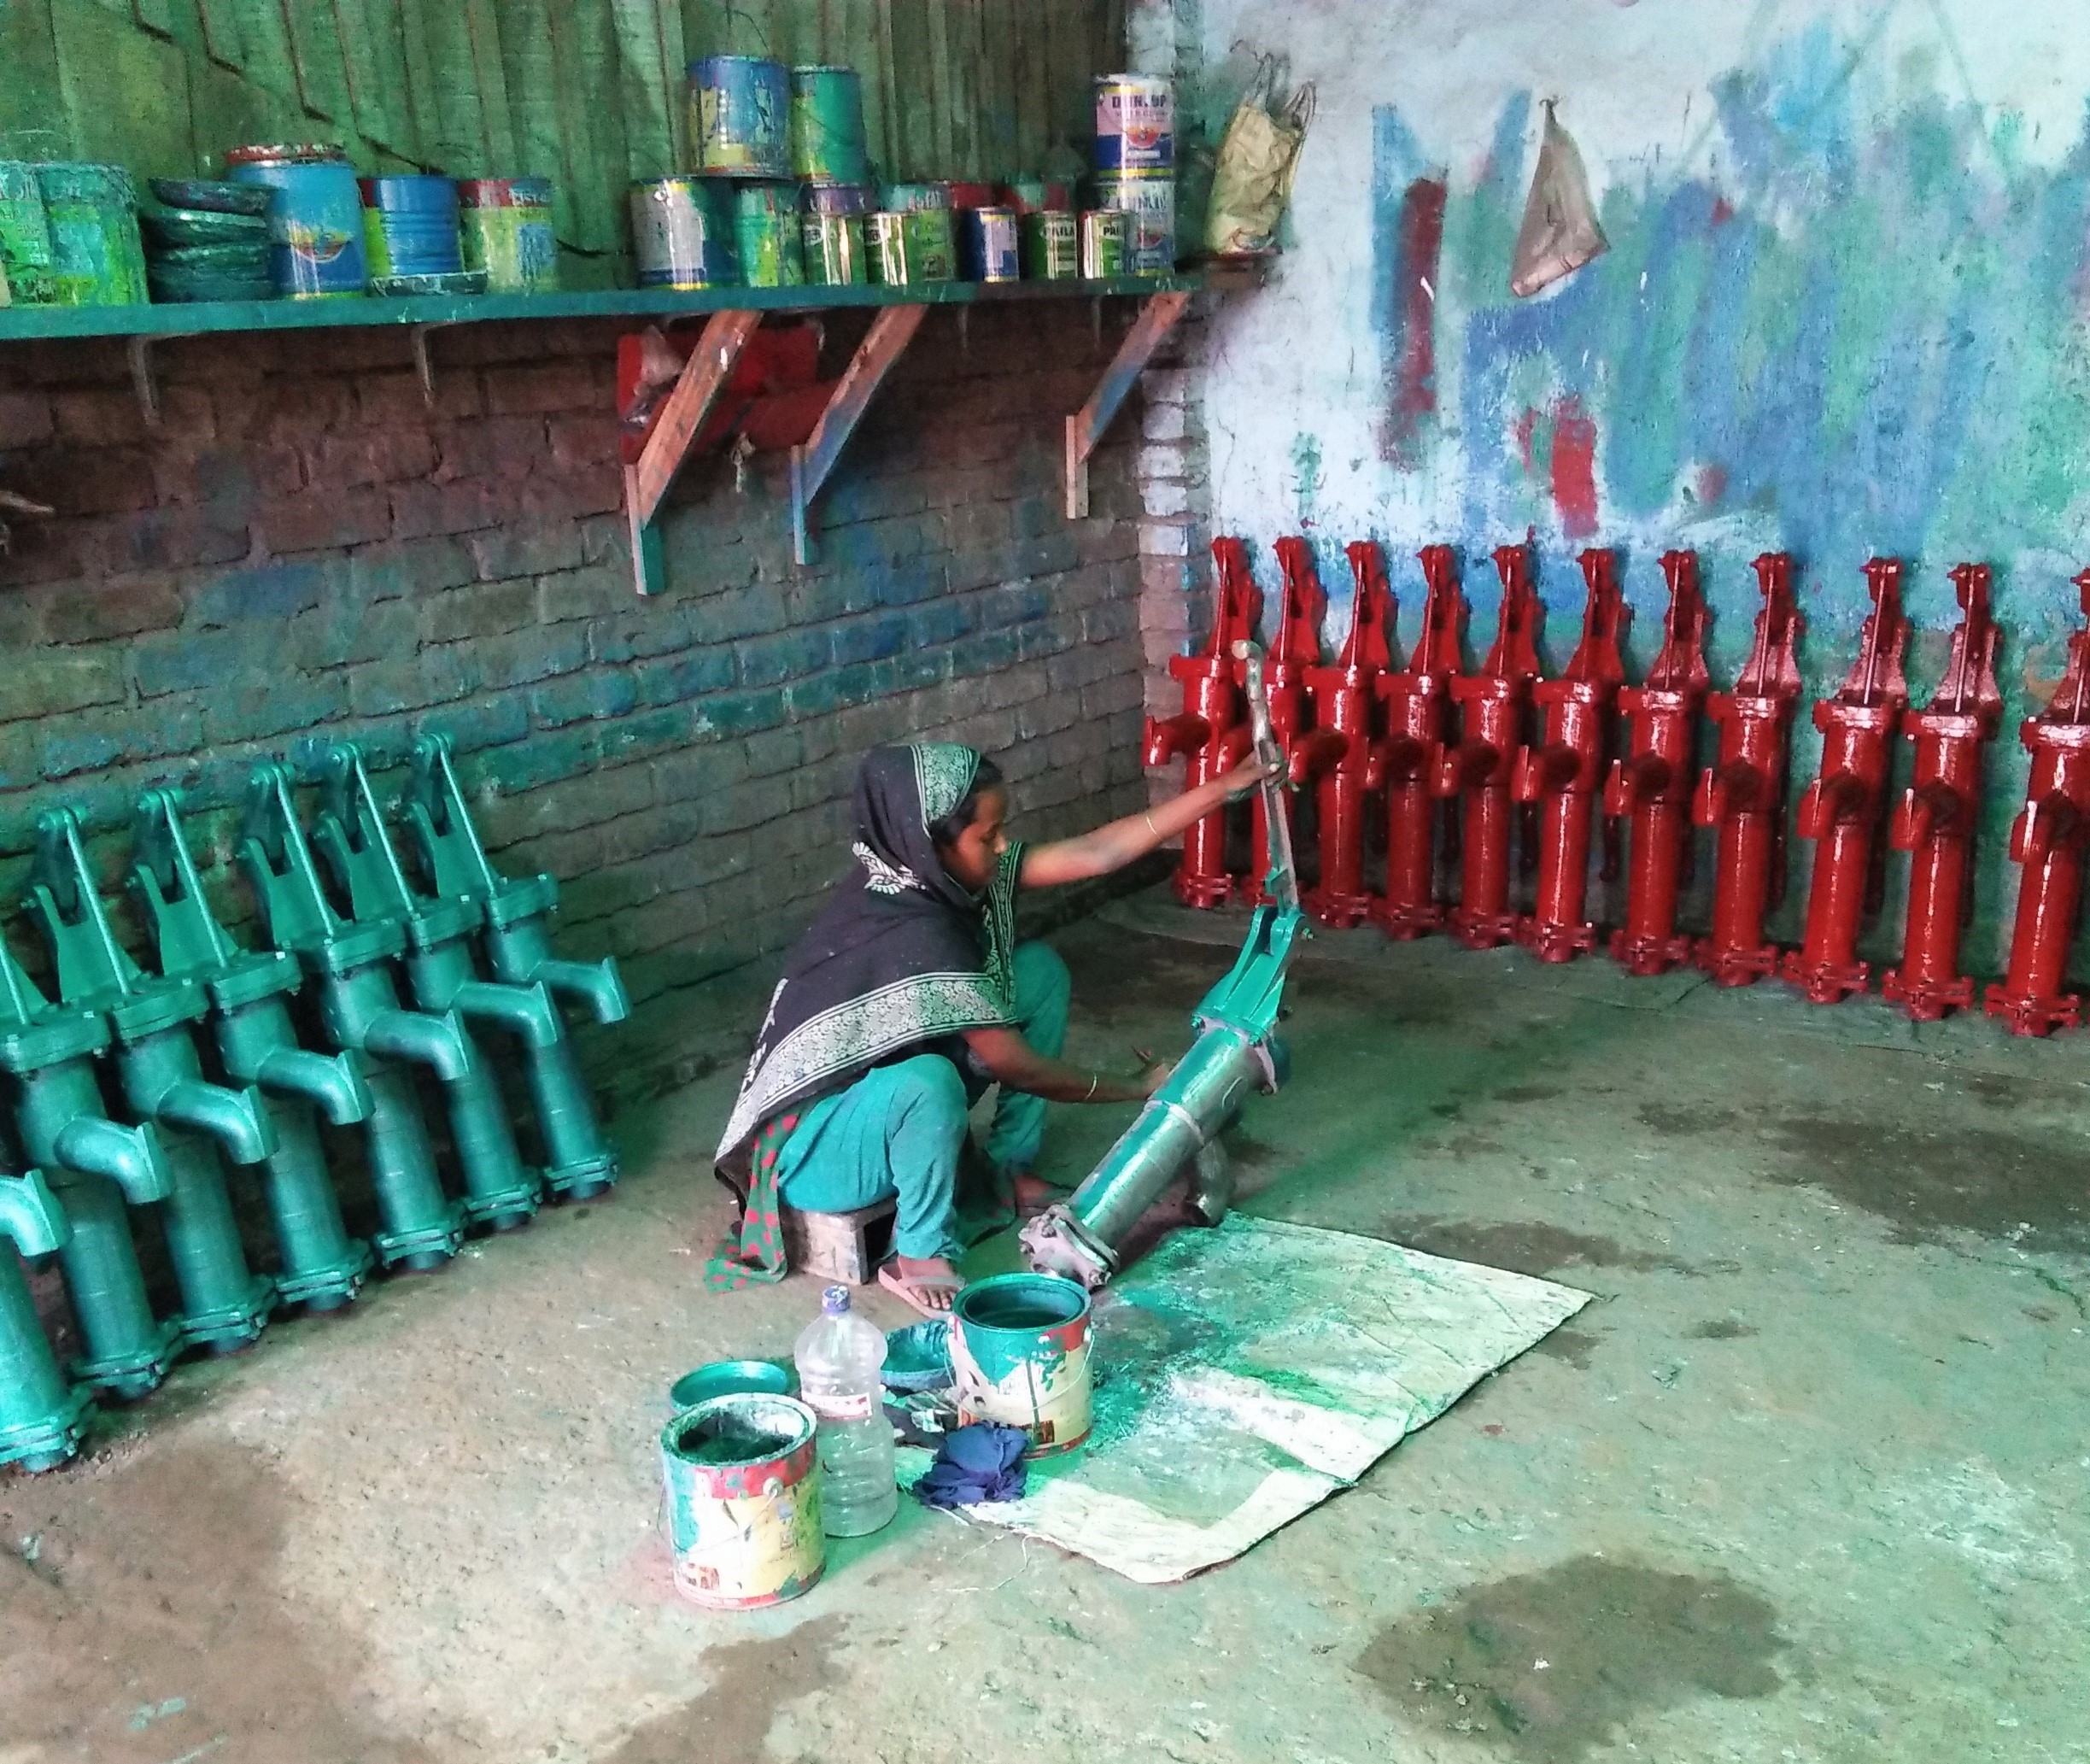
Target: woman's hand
column 1157, row 1074
column 1250, row 772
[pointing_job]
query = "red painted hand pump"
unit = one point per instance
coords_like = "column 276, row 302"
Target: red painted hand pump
column 1336, row 756
column 2048, row 839
column 1211, row 732
column 1650, row 788
column 1563, row 772
column 1405, row 763
column 1935, row 821
column 1743, row 793
column 1294, row 648
column 1478, row 769
column 1842, row 808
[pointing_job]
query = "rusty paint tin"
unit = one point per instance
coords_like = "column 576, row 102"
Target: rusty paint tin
column 741, row 1482
column 740, row 116
column 1020, row 1348
column 1106, row 239
column 987, row 245
column 506, row 227
column 1051, row 246
column 906, row 248
column 682, row 233
column 834, row 250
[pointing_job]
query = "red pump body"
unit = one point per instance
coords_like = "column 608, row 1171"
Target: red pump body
column 1294, row 647
column 1406, row 762
column 1337, row 755
column 1211, row 732
column 1562, row 774
column 1935, row 821
column 2048, row 839
column 1650, row 788
column 1478, row 770
column 1742, row 793
column 1843, row 807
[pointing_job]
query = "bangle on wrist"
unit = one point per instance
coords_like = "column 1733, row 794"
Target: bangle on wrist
column 1094, row 1079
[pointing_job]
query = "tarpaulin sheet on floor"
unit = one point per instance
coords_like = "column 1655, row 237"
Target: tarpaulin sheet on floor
column 1244, row 1375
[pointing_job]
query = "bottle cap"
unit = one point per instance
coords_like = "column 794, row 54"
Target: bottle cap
column 834, row 1300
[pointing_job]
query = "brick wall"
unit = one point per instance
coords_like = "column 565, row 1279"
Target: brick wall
column 306, row 550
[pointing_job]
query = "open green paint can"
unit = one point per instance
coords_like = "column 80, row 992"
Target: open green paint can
column 1020, row 1348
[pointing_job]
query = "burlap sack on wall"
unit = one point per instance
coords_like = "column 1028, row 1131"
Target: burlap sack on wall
column 1559, row 232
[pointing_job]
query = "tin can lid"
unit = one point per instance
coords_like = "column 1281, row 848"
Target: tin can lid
column 278, row 153
column 504, row 192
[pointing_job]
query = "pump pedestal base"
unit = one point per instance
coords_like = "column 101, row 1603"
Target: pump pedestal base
column 2035, row 1016
column 1644, row 958
column 1927, row 1000
column 1556, row 943
column 1825, row 982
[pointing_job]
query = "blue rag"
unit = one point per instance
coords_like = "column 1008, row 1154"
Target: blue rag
column 981, row 1462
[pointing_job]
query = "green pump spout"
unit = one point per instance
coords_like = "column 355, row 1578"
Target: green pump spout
column 597, row 984
column 235, row 1118
column 30, row 1215
column 130, row 1156
column 527, row 1010
column 333, row 1081
column 439, row 1043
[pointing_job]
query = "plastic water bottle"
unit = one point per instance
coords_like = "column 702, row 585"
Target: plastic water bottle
column 840, row 1356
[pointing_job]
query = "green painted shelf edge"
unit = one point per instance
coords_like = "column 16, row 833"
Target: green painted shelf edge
column 204, row 317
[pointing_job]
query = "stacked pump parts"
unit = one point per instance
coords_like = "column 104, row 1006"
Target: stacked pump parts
column 1468, row 782
column 199, row 1035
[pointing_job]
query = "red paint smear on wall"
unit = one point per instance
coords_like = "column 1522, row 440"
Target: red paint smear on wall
column 1411, row 392
column 1574, row 468
column 1527, row 427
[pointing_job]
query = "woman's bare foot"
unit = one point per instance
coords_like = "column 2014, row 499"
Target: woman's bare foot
column 1033, row 1194
column 927, row 1284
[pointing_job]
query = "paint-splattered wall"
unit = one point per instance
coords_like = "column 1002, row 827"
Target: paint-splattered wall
column 1847, row 310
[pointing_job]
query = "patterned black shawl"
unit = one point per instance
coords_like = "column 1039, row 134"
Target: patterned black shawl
column 901, row 954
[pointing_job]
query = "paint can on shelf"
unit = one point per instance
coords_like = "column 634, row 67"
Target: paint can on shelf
column 315, row 217
column 834, row 250
column 740, row 1481
column 1029, row 194
column 505, row 227
column 987, row 245
column 1051, row 246
column 1135, row 124
column 1149, row 204
column 765, row 235
column 740, row 116
column 1020, row 1348
column 827, row 140
column 906, row 198
column 25, row 234
column 1105, row 236
column 968, row 193
column 906, row 248
column 410, row 226
column 97, row 258
column 682, row 233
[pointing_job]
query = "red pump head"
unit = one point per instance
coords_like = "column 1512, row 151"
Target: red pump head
column 1875, row 677
column 1515, row 654
column 1772, row 671
column 1596, row 659
column 2072, row 701
column 1443, row 612
column 1366, row 649
column 1240, row 604
column 1297, row 637
column 1968, row 687
column 1681, row 666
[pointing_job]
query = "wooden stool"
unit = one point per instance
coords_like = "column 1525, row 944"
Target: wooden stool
column 840, row 1247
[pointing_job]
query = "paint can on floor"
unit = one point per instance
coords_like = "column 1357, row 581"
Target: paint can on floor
column 97, row 258
column 987, row 245
column 827, row 141
column 505, row 230
column 740, row 116
column 1150, row 205
column 1135, row 123
column 733, row 1378
column 765, row 235
column 911, row 247
column 410, row 226
column 1051, row 246
column 1106, row 235
column 682, row 233
column 1020, row 1347
column 315, row 217
column 740, row 1478
column 25, row 234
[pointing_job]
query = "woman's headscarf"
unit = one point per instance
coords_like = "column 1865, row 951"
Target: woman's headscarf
column 902, row 954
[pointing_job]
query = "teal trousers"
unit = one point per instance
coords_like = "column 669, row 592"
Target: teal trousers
column 897, row 1132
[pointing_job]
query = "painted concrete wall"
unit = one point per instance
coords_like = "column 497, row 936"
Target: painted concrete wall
column 1847, row 310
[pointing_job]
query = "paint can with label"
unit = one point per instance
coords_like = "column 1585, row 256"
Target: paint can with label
column 25, row 234
column 315, row 218
column 505, row 227
column 766, row 235
column 1135, row 124
column 1106, row 234
column 740, row 116
column 911, row 247
column 827, row 141
column 1150, row 206
column 682, row 233
column 1020, row 1348
column 987, row 245
column 740, row 1478
column 906, row 198
column 97, row 258
column 410, row 226
column 832, row 231
column 1051, row 246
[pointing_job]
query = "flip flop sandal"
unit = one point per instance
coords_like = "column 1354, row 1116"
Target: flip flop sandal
column 904, row 1288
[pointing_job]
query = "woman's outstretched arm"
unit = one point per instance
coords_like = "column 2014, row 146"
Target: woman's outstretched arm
column 1013, row 1062
column 1116, row 843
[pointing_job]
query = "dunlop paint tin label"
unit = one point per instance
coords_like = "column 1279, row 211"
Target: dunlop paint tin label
column 1051, row 246
column 834, row 250
column 1105, row 236
column 1135, row 123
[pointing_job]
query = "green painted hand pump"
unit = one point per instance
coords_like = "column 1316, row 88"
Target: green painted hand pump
column 350, row 962
column 225, row 1305
column 500, row 1189
column 323, row 1266
column 579, row 1161
column 41, row 1416
column 97, row 1168
column 1237, row 1050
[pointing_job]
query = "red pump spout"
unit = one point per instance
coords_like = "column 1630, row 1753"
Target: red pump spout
column 1842, row 808
column 2047, row 840
column 1563, row 772
column 1337, row 755
column 1295, row 647
column 1211, row 732
column 1649, row 788
column 1479, row 770
column 1406, row 762
column 1936, row 820
column 1742, row 793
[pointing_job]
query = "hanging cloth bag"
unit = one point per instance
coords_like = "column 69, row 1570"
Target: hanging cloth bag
column 1251, row 182
column 1559, row 232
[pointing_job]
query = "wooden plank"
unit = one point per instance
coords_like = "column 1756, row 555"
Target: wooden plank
column 891, row 149
column 590, row 124
column 1033, row 79
column 156, row 16
column 373, row 58
column 315, row 60
column 688, row 406
column 649, row 81
column 36, row 93
column 914, row 87
column 490, row 78
column 998, row 34
column 101, row 52
column 1087, row 427
column 945, row 95
column 891, row 331
column 854, row 44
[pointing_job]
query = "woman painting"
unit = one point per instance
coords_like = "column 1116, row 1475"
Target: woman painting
column 905, row 999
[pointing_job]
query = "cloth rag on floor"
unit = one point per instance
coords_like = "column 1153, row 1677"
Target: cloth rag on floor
column 981, row 1462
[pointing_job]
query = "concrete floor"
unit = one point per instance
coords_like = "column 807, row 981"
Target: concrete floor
column 1810, row 1481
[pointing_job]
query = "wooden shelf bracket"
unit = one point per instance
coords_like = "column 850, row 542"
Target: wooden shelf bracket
column 688, row 407
column 1087, row 427
column 891, row 331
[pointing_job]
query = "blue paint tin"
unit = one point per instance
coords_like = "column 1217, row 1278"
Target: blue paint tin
column 987, row 245
column 1135, row 124
column 410, row 226
column 740, row 116
column 682, row 233
column 315, row 218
